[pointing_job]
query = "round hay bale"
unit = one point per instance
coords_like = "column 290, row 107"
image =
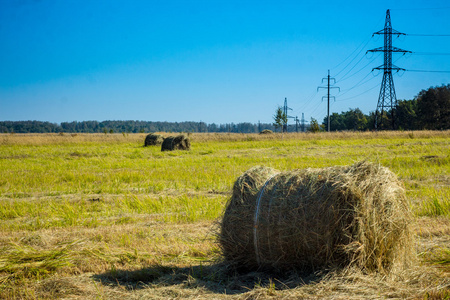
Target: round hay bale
column 266, row 131
column 315, row 219
column 153, row 139
column 179, row 142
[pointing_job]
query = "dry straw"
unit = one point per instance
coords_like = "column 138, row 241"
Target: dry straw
column 153, row 139
column 266, row 131
column 317, row 219
column 179, row 142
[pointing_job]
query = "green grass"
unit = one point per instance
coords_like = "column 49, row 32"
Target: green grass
column 105, row 204
column 129, row 168
column 74, row 171
column 62, row 212
column 437, row 205
column 50, row 185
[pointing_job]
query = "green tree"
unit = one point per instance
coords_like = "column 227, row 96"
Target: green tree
column 280, row 118
column 406, row 116
column 314, row 126
column 336, row 122
column 355, row 120
column 385, row 120
column 433, row 107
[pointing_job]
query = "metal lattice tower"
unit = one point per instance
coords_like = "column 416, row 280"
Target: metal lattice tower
column 303, row 122
column 387, row 99
column 285, row 110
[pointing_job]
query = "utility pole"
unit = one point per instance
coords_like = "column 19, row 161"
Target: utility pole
column 328, row 87
column 387, row 98
column 296, row 124
column 285, row 110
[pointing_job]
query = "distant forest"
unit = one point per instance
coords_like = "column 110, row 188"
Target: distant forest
column 128, row 127
column 430, row 109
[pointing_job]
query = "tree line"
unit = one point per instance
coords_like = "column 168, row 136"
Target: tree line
column 430, row 109
column 127, row 127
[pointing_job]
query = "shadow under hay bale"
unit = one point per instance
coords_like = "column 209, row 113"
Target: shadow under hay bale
column 318, row 219
column 180, row 142
column 153, row 139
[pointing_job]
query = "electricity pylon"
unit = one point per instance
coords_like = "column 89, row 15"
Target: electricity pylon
column 387, row 98
column 285, row 111
column 303, row 122
column 328, row 78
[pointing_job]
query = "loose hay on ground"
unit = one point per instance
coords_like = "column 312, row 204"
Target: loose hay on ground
column 315, row 219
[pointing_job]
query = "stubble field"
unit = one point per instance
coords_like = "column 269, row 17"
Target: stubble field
column 96, row 216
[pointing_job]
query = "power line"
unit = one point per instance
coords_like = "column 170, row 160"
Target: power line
column 431, row 53
column 424, row 8
column 318, row 105
column 352, row 67
column 307, row 102
column 345, row 78
column 354, row 57
column 359, row 94
column 419, row 34
column 358, row 84
column 428, row 71
column 363, row 46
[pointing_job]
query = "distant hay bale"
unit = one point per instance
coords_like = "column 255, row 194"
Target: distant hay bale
column 153, row 139
column 315, row 219
column 179, row 142
column 266, row 131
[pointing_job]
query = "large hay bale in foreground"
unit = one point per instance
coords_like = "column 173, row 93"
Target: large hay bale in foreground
column 153, row 139
column 316, row 219
column 180, row 142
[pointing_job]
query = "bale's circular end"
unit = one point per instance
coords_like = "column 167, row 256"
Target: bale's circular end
column 317, row 219
column 179, row 142
column 153, row 139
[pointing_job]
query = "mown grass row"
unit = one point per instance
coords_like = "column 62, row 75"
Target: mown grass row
column 116, row 168
column 66, row 212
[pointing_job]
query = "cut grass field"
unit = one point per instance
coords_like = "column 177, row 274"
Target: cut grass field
column 95, row 216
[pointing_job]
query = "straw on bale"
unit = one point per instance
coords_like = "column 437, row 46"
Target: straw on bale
column 266, row 131
column 316, row 219
column 179, row 142
column 153, row 139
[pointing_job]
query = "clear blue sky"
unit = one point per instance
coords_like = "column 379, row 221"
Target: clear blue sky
column 211, row 61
